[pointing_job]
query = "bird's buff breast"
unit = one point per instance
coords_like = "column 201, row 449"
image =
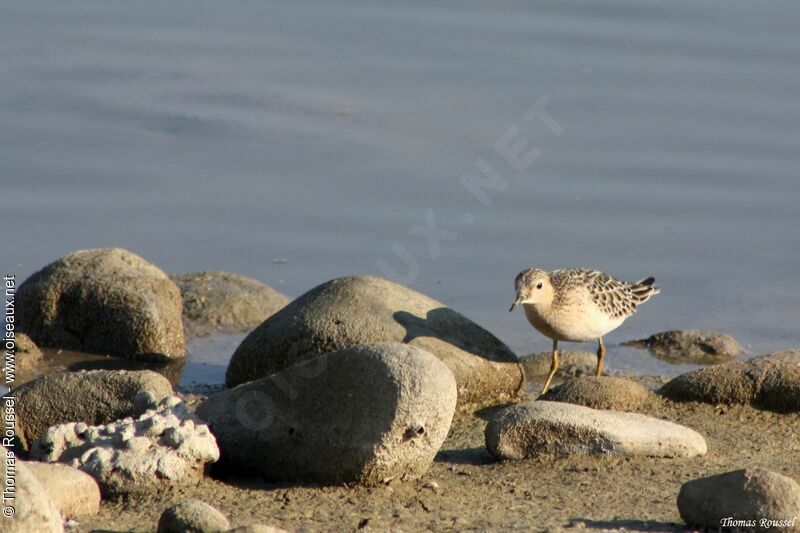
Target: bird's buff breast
column 584, row 323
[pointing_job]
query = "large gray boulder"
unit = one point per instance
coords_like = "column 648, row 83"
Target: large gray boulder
column 94, row 397
column 364, row 309
column 747, row 500
column 192, row 516
column 544, row 428
column 223, row 301
column 695, row 346
column 363, row 414
column 74, row 493
column 34, row 511
column 769, row 382
column 165, row 447
column 107, row 300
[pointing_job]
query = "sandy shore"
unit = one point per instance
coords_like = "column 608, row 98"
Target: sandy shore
column 476, row 493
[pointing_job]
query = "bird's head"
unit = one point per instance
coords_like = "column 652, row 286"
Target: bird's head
column 533, row 287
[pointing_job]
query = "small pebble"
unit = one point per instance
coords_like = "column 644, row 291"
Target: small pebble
column 431, row 485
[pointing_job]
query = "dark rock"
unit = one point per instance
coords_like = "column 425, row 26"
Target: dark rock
column 364, row 414
column 769, row 382
column 222, row 301
column 742, row 500
column 691, row 346
column 604, row 392
column 363, row 309
column 107, row 300
column 95, row 397
column 542, row 428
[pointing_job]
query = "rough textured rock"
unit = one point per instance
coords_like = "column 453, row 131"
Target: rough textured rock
column 363, row 414
column 164, row 447
column 222, row 301
column 605, row 392
column 192, row 516
column 768, row 382
column 74, row 493
column 690, row 346
column 35, row 511
column 552, row 428
column 363, row 309
column 570, row 364
column 750, row 496
column 106, row 300
column 95, row 397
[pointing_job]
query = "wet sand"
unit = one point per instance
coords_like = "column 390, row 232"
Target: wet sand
column 476, row 493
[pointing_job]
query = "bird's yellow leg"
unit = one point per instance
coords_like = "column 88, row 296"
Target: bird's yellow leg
column 601, row 353
column 553, row 367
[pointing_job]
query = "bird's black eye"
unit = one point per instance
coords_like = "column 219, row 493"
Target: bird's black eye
column 539, row 285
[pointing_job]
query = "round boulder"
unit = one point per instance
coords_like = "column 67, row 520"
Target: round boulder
column 94, row 397
column 192, row 516
column 107, row 300
column 768, row 382
column 222, row 301
column 690, row 346
column 747, row 500
column 604, row 392
column 364, row 414
column 364, row 309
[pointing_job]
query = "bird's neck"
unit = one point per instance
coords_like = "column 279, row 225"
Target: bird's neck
column 536, row 310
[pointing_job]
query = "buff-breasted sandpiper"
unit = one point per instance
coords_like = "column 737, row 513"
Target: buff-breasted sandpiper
column 578, row 305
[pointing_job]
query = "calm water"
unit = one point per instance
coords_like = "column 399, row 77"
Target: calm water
column 235, row 136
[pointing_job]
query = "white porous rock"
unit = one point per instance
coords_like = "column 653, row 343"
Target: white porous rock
column 164, row 446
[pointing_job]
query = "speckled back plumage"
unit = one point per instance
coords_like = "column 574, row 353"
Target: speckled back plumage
column 614, row 297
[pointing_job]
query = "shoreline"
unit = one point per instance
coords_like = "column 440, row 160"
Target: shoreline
column 467, row 490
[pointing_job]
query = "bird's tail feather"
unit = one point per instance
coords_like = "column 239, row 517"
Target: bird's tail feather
column 644, row 289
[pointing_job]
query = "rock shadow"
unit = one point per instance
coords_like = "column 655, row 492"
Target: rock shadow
column 454, row 328
column 478, row 455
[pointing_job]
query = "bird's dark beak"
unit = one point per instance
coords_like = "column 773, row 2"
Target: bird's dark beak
column 516, row 303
